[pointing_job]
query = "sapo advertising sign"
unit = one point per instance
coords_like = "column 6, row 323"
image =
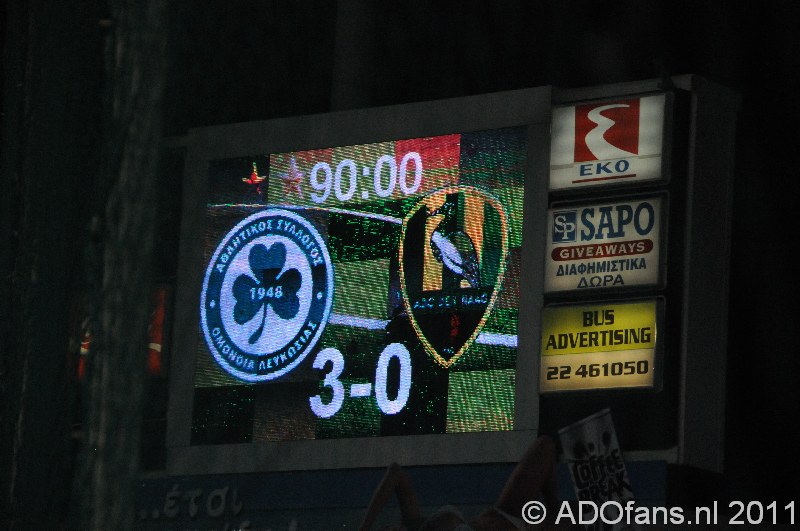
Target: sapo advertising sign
column 603, row 245
column 599, row 346
column 607, row 142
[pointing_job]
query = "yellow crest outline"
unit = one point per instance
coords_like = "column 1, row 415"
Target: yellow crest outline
column 501, row 270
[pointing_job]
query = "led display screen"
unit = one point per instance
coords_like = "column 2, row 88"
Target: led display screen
column 361, row 291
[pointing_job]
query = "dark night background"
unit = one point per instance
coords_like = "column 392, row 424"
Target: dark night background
column 249, row 62
column 239, row 60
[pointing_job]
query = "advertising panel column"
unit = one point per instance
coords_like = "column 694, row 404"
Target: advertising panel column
column 606, row 241
column 639, row 214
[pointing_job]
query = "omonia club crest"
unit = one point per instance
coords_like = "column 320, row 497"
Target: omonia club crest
column 267, row 295
column 452, row 257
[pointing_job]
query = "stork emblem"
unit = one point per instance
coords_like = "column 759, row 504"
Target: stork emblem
column 452, row 257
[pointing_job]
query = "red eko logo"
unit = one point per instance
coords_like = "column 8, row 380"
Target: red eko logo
column 607, row 130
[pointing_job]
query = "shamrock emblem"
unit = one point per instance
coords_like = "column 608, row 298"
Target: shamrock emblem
column 270, row 286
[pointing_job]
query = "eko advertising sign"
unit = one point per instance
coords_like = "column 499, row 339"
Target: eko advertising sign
column 604, row 245
column 599, row 346
column 608, row 142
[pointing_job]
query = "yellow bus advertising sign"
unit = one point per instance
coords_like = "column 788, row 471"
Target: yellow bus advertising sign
column 599, row 346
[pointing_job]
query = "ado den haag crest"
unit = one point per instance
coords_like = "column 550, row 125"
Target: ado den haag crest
column 267, row 295
column 452, row 261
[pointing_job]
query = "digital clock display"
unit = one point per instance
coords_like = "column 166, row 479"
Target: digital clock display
column 364, row 290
